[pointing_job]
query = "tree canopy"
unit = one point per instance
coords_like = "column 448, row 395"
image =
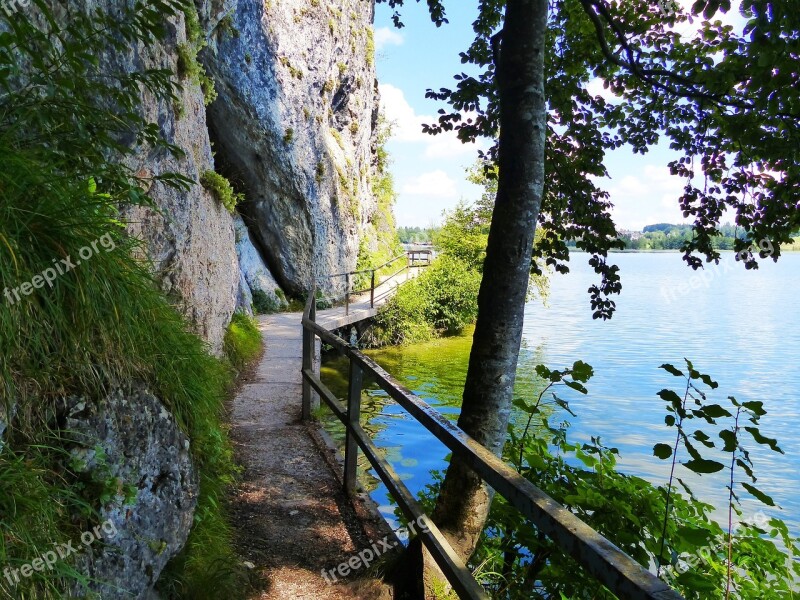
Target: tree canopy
column 728, row 101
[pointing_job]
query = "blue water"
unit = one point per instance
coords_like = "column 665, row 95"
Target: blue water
column 741, row 327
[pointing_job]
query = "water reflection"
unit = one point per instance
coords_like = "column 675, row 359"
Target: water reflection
column 742, row 329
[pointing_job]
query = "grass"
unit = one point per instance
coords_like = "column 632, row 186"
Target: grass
column 100, row 325
column 242, row 340
column 35, row 508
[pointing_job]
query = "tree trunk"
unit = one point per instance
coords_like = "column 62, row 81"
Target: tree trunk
column 463, row 503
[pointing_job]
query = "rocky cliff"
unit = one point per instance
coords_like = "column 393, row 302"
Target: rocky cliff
column 188, row 235
column 295, row 126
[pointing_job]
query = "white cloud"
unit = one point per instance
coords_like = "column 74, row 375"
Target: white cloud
column 436, row 184
column 407, row 127
column 386, row 36
column 406, row 124
column 649, row 197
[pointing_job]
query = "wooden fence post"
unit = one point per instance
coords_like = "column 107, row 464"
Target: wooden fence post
column 353, row 418
column 309, row 342
column 372, row 291
column 347, row 294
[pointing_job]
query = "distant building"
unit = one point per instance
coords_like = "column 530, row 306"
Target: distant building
column 634, row 235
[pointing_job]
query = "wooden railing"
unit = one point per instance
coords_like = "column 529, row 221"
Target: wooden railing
column 412, row 260
column 602, row 559
column 420, row 258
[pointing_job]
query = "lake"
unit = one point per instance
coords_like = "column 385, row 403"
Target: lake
column 741, row 327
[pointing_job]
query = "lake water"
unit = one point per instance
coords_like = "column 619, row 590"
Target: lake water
column 741, row 327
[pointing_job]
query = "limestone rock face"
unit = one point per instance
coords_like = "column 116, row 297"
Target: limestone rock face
column 131, row 442
column 188, row 235
column 244, row 297
column 294, row 126
column 256, row 274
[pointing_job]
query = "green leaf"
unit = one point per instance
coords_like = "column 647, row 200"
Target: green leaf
column 703, row 466
column 671, row 369
column 771, row 442
column 709, row 382
column 563, row 404
column 671, row 397
column 522, row 405
column 576, row 386
column 669, row 420
column 543, row 371
column 697, row 536
column 697, row 582
column 714, row 411
column 662, row 451
column 582, row 371
column 747, row 468
column 729, row 437
column 703, row 438
column 755, row 407
column 761, row 496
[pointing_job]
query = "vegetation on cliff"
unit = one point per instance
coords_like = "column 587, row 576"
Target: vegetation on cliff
column 81, row 314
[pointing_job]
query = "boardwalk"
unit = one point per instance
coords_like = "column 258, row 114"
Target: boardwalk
column 293, row 518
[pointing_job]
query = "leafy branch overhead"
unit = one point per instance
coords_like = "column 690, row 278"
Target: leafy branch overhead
column 727, row 101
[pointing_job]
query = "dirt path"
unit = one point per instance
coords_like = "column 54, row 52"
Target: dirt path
column 291, row 516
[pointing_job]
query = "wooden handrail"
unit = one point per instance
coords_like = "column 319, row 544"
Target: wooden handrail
column 378, row 268
column 410, row 263
column 602, row 559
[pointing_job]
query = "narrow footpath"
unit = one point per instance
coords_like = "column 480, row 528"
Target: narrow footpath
column 292, row 517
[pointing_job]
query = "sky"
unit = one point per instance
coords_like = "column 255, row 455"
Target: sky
column 429, row 171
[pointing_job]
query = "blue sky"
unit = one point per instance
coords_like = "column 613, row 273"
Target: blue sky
column 429, row 170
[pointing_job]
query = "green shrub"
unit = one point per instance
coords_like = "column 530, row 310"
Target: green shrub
column 451, row 291
column 442, row 300
column 265, row 304
column 221, row 189
column 402, row 319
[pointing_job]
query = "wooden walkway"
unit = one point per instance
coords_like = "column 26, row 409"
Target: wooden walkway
column 360, row 306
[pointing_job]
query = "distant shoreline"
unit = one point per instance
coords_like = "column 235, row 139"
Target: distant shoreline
column 643, row 251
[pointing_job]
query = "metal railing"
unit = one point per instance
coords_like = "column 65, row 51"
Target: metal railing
column 602, row 559
column 411, row 261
